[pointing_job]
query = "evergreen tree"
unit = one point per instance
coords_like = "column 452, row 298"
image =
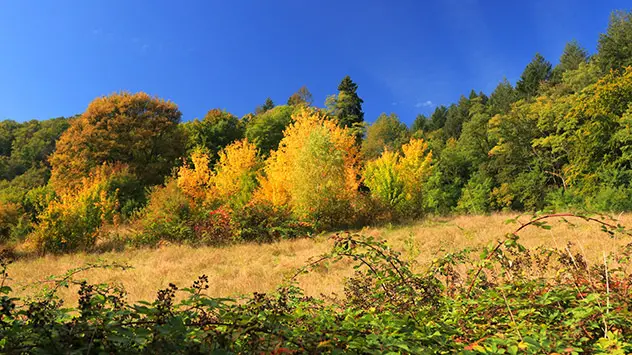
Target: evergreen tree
column 534, row 74
column 348, row 107
column 502, row 97
column 615, row 46
column 438, row 117
column 571, row 58
column 267, row 106
column 421, row 123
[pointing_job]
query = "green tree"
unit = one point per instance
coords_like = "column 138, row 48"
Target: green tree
column 438, row 117
column 614, row 50
column 421, row 123
column 537, row 71
column 301, row 97
column 215, row 131
column 386, row 133
column 266, row 130
column 572, row 57
column 267, row 106
column 502, row 97
column 346, row 107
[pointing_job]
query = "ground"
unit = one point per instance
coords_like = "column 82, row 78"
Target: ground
column 246, row 268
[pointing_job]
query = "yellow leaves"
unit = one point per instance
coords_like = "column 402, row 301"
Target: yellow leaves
column 195, row 181
column 234, row 177
column 314, row 168
column 398, row 180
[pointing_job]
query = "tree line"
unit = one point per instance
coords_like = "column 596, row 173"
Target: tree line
column 559, row 138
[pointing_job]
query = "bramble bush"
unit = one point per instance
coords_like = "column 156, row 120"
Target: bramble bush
column 507, row 300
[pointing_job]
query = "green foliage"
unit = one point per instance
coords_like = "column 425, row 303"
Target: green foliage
column 75, row 220
column 572, row 57
column 386, row 133
column 215, row 131
column 614, row 50
column 166, row 216
column 267, row 106
column 264, row 223
column 266, row 129
column 503, row 96
column 537, row 71
column 346, row 108
column 476, row 195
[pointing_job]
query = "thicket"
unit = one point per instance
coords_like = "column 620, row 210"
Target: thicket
column 560, row 138
column 499, row 299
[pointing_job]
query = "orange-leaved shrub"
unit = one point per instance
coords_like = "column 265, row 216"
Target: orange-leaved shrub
column 314, row 172
column 397, row 180
column 75, row 218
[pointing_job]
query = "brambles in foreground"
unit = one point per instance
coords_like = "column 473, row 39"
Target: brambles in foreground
column 509, row 300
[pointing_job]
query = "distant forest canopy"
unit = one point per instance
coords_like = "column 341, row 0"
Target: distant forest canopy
column 560, row 138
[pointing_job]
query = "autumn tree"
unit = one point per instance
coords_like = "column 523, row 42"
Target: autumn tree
column 215, row 131
column 134, row 129
column 387, row 132
column 301, row 97
column 230, row 182
column 314, row 171
column 398, row 180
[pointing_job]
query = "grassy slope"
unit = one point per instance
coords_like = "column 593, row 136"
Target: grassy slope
column 247, row 268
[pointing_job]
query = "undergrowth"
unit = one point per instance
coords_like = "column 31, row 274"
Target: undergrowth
column 498, row 299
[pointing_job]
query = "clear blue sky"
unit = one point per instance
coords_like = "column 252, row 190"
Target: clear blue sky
column 406, row 56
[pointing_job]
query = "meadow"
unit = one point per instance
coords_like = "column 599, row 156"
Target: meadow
column 251, row 267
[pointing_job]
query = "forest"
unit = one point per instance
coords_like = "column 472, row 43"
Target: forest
column 128, row 172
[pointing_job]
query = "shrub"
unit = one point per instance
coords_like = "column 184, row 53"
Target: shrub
column 475, row 198
column 232, row 181
column 263, row 222
column 166, row 216
column 73, row 220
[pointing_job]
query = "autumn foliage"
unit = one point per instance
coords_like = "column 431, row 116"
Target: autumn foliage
column 134, row 129
column 315, row 170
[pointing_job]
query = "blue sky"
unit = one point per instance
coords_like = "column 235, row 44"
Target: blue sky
column 406, row 56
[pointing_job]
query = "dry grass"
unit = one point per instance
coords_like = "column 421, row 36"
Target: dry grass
column 246, row 268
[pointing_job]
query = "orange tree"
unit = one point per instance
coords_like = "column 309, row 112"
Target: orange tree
column 134, row 129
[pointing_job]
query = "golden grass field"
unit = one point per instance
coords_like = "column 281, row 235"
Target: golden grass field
column 246, row 268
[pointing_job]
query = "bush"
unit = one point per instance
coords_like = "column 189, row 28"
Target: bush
column 166, row 216
column 262, row 222
column 74, row 219
column 476, row 195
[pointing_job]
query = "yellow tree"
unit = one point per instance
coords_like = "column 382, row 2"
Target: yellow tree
column 398, row 180
column 314, row 172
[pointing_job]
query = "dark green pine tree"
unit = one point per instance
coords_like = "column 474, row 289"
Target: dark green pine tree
column 571, row 58
column 348, row 107
column 502, row 97
column 267, row 106
column 534, row 74
column 614, row 49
